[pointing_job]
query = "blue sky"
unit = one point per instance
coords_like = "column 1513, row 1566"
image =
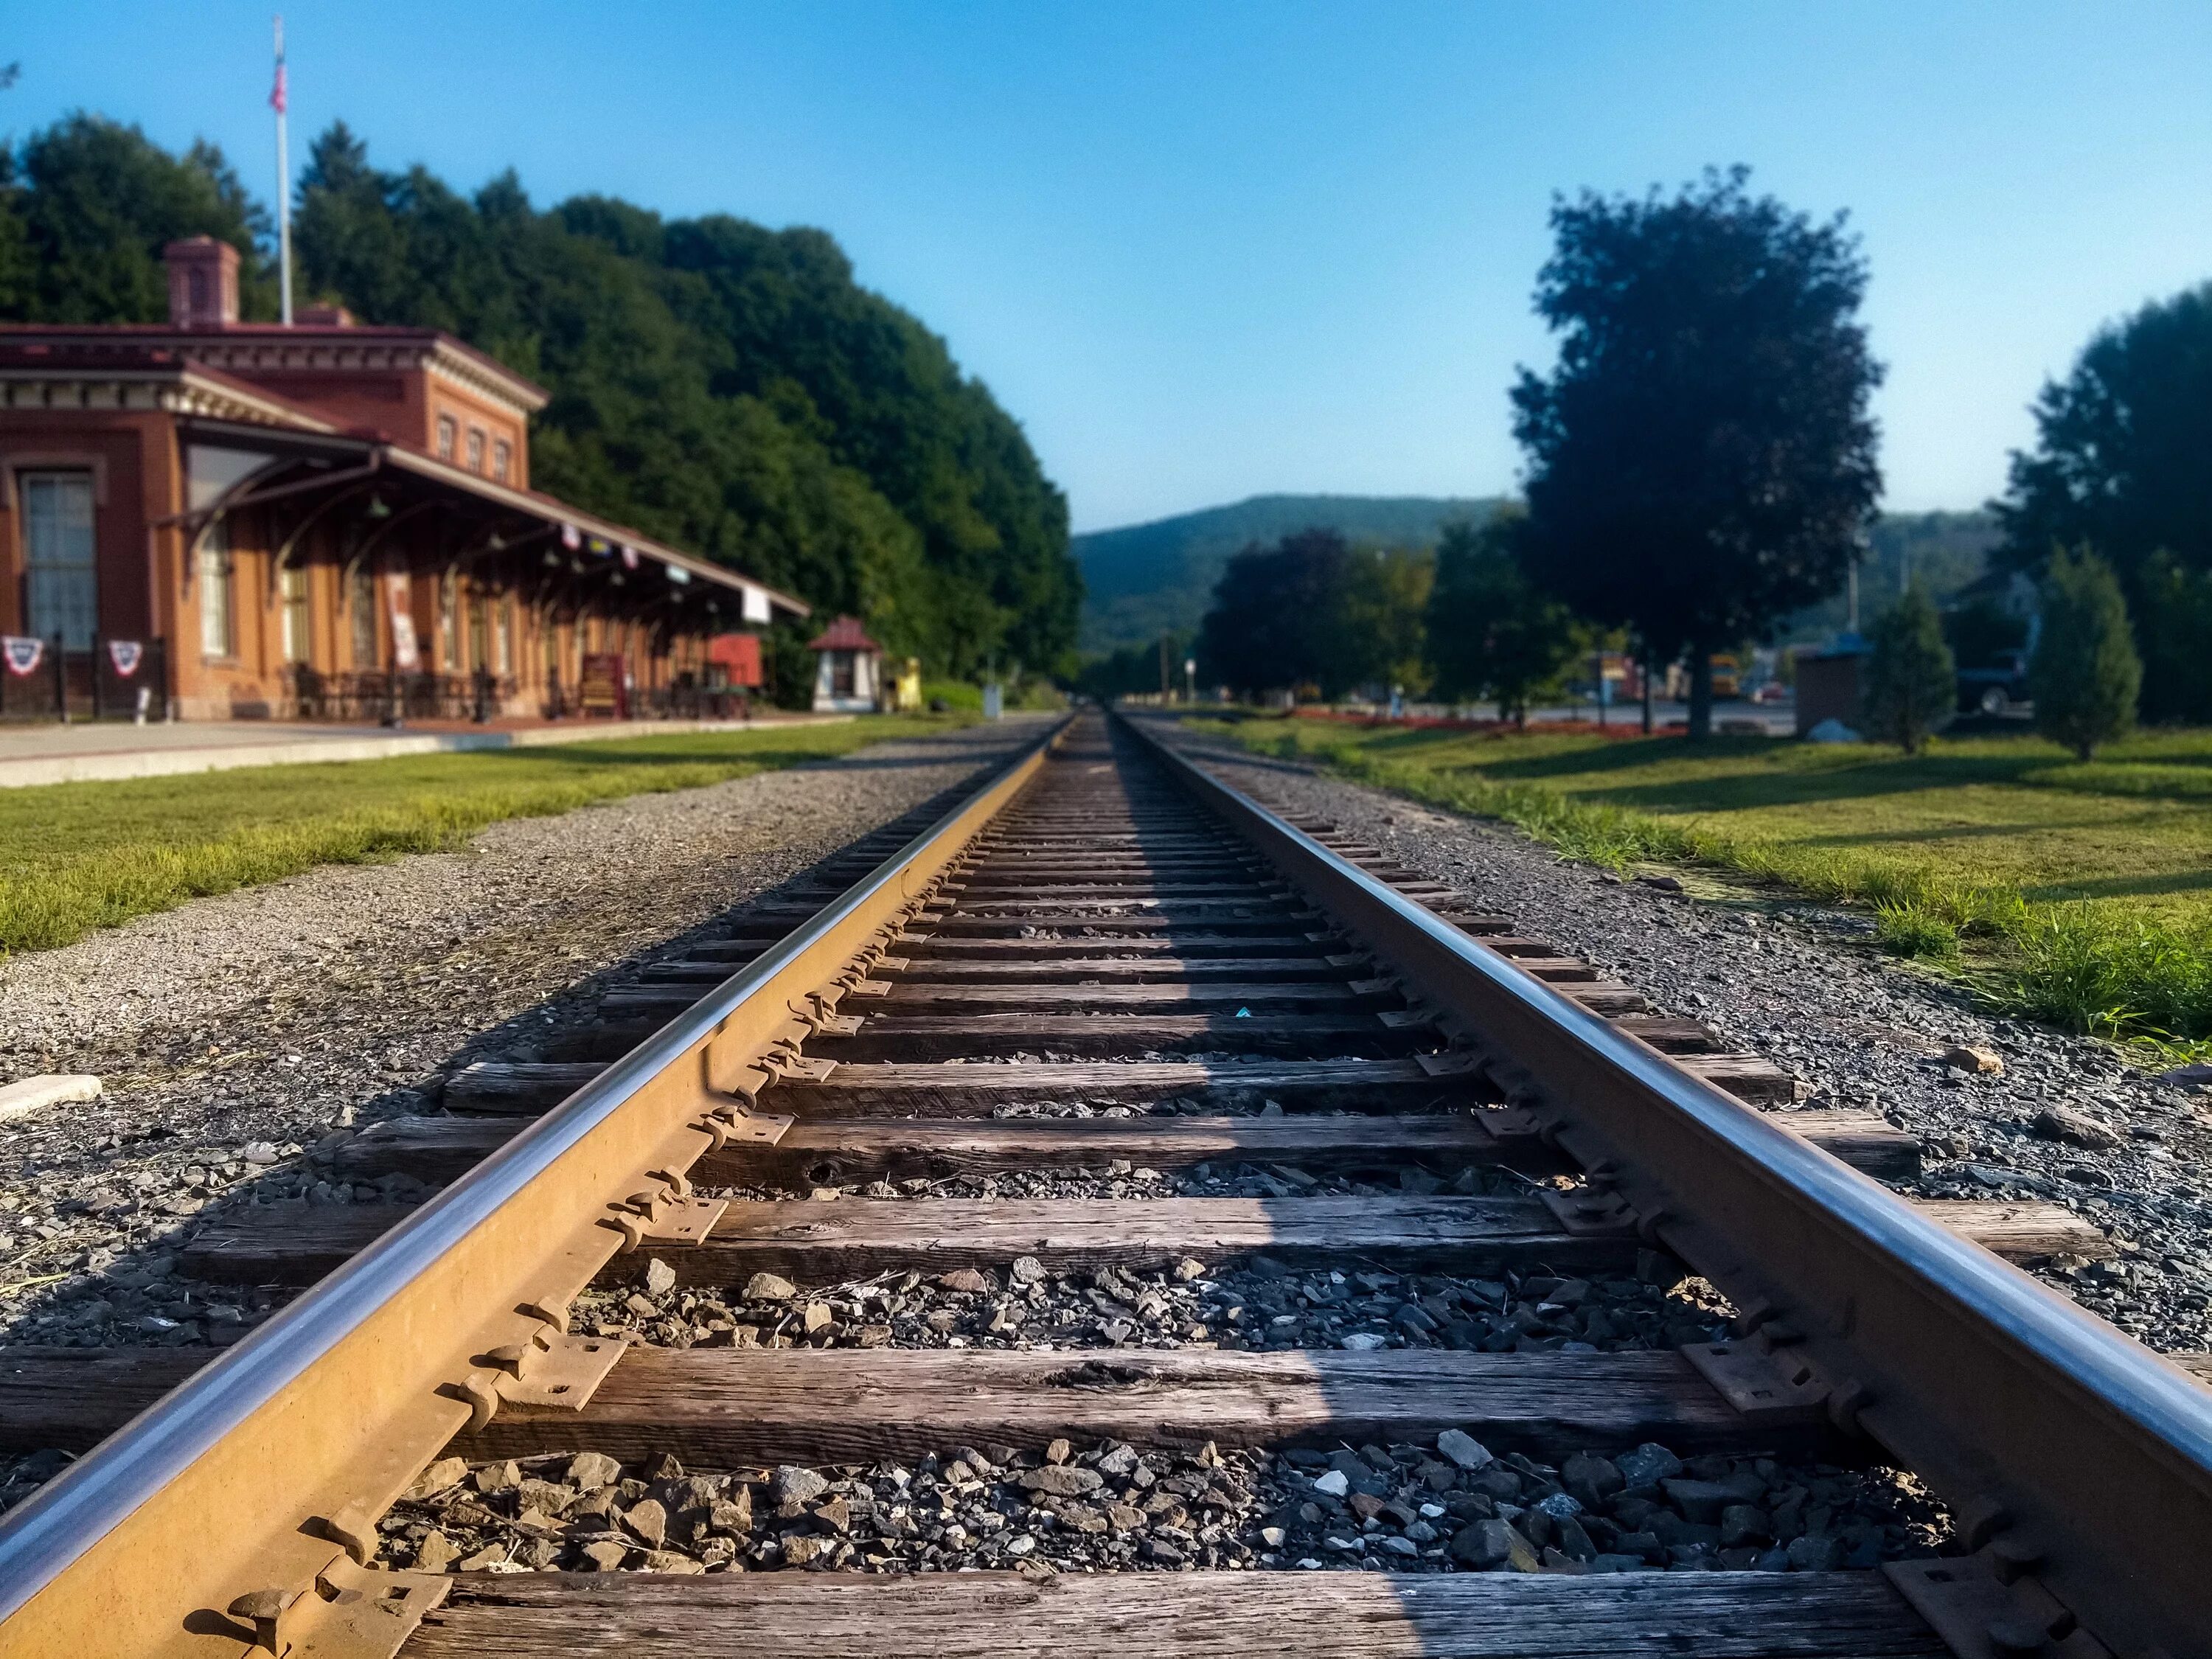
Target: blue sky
column 1208, row 250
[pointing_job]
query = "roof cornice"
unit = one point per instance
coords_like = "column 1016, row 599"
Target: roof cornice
column 178, row 390
column 261, row 349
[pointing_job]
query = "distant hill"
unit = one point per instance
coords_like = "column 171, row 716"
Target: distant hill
column 1144, row 579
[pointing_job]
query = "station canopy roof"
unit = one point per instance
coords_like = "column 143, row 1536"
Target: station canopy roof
column 246, row 446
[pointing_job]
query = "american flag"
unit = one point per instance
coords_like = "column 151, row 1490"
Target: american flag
column 277, row 93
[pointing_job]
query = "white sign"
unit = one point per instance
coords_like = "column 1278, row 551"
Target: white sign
column 405, row 651
column 756, row 603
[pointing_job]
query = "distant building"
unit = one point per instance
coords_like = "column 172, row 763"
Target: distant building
column 849, row 669
column 329, row 521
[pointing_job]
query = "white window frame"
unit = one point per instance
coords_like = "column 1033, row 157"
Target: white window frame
column 218, row 612
column 61, row 571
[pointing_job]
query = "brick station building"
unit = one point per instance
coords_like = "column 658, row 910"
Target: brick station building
column 325, row 521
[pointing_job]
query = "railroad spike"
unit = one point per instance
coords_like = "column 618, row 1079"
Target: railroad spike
column 265, row 1609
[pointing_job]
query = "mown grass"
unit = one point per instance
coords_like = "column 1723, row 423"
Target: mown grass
column 74, row 857
column 2077, row 893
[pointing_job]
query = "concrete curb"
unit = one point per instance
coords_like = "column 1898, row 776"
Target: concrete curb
column 170, row 763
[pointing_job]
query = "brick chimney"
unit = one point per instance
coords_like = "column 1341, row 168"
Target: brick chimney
column 202, row 282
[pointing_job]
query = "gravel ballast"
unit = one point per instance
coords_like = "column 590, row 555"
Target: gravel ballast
column 2036, row 1114
column 1455, row 1507
column 232, row 1033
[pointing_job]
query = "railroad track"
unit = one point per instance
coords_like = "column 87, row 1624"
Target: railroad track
column 1178, row 1210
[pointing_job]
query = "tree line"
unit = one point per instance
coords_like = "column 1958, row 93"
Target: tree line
column 1701, row 465
column 727, row 388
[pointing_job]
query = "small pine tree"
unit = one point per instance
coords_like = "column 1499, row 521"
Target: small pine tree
column 2085, row 675
column 1912, row 684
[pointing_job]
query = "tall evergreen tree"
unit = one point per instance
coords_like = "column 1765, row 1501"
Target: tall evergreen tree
column 1701, row 460
column 2085, row 675
column 1912, row 683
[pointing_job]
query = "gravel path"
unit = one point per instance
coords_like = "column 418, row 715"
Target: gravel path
column 233, row 1032
column 2064, row 1118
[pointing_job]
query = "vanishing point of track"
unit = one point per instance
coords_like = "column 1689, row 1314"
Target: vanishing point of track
column 1251, row 990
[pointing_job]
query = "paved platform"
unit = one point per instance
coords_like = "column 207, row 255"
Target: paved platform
column 87, row 753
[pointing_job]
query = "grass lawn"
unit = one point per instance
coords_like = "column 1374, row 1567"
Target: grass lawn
column 78, row 856
column 2076, row 892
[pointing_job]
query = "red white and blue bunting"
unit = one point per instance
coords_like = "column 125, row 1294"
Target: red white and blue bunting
column 22, row 652
column 125, row 654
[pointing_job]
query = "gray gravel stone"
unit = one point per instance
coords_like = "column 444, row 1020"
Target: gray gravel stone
column 1804, row 985
column 237, row 1033
column 1108, row 1507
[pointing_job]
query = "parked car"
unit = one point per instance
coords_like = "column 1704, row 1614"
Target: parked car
column 1999, row 689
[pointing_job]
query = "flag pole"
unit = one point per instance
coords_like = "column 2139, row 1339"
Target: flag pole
column 277, row 100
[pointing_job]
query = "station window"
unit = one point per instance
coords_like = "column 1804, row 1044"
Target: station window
column 476, row 449
column 448, row 434
column 216, row 638
column 295, row 613
column 502, row 459
column 58, row 566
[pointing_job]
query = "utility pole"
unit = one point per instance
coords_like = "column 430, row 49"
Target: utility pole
column 277, row 100
column 1166, row 689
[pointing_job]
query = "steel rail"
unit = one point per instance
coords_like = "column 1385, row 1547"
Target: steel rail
column 2073, row 1453
column 230, row 1483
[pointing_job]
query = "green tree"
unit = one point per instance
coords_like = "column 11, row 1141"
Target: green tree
column 2119, row 466
column 1701, row 460
column 2085, row 675
column 1912, row 683
column 2120, row 445
column 1382, row 623
column 1277, row 619
column 2172, row 612
column 730, row 388
column 94, row 203
column 1492, row 631
column 1135, row 670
